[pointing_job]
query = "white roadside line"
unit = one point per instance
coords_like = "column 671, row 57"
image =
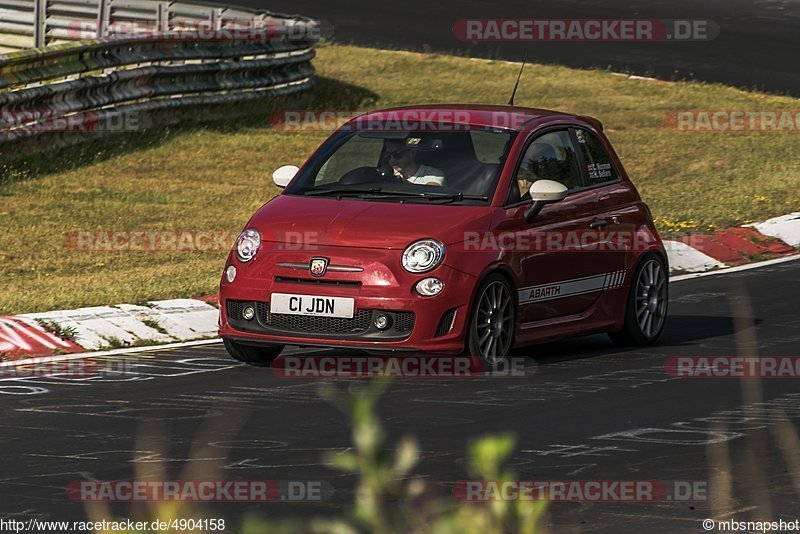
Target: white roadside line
column 151, row 348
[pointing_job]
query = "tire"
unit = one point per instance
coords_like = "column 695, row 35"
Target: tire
column 490, row 334
column 251, row 355
column 648, row 299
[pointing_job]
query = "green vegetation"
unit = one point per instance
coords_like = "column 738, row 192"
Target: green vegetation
column 390, row 496
column 116, row 343
column 64, row 332
column 212, row 177
column 155, row 325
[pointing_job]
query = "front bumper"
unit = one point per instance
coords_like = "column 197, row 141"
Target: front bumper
column 418, row 324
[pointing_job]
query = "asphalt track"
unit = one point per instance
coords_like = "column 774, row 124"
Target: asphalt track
column 578, row 413
column 756, row 47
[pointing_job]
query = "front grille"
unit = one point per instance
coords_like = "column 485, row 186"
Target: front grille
column 235, row 308
column 404, row 321
column 262, row 312
column 446, row 323
column 360, row 326
column 314, row 325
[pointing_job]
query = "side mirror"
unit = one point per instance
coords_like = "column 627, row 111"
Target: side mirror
column 283, row 175
column 544, row 192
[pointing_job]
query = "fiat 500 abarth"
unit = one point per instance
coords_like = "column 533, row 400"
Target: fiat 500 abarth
column 476, row 230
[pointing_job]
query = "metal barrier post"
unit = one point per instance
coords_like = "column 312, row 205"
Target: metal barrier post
column 102, row 18
column 39, row 21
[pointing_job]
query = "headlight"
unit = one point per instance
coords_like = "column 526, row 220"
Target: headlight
column 247, row 245
column 423, row 256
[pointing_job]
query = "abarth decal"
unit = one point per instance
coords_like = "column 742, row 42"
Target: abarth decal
column 569, row 288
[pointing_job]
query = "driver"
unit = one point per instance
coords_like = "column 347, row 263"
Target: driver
column 403, row 160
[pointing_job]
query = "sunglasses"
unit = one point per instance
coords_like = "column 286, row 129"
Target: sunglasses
column 397, row 153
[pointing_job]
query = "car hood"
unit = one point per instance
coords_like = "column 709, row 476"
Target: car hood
column 368, row 224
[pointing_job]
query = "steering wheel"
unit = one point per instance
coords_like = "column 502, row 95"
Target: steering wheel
column 386, row 174
column 359, row 175
column 363, row 175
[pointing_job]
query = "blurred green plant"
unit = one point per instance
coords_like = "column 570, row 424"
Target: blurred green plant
column 389, row 499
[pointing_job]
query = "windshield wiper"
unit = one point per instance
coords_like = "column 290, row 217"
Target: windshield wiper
column 456, row 197
column 375, row 192
column 315, row 192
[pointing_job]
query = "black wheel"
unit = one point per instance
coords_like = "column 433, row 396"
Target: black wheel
column 248, row 354
column 491, row 328
column 646, row 310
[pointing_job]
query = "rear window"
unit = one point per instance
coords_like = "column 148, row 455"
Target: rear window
column 599, row 168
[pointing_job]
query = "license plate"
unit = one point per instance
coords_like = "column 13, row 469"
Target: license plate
column 312, row 305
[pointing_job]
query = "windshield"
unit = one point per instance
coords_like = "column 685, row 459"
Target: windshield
column 448, row 167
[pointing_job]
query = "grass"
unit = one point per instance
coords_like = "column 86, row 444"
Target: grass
column 195, row 177
column 116, row 343
column 64, row 332
column 155, row 325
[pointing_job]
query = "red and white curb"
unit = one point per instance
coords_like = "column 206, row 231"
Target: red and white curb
column 106, row 327
column 786, row 228
column 170, row 322
column 683, row 257
column 774, row 238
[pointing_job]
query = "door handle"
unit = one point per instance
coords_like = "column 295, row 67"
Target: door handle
column 598, row 223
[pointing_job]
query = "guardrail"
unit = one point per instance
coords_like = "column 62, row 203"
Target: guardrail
column 176, row 56
column 37, row 23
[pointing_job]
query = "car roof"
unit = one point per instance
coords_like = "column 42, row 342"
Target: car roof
column 481, row 115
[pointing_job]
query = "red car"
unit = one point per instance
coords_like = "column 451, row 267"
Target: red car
column 448, row 229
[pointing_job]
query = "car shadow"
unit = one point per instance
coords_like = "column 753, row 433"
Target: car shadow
column 679, row 331
column 684, row 329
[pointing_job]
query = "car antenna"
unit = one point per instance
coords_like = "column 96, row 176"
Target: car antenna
column 514, row 92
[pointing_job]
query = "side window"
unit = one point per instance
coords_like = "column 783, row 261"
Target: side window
column 549, row 157
column 598, row 163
